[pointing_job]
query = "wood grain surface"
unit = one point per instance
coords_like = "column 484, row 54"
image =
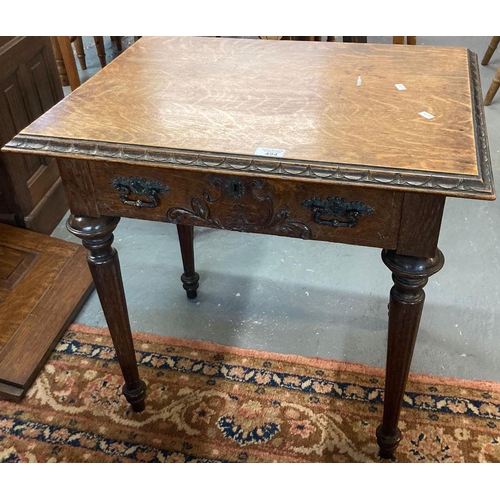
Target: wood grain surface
column 267, row 206
column 235, row 95
column 43, row 284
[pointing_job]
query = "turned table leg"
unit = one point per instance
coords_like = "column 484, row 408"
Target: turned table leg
column 410, row 275
column 189, row 278
column 97, row 236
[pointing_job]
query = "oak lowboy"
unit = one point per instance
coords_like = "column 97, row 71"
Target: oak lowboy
column 275, row 138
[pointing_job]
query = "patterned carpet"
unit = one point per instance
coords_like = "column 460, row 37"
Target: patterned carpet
column 210, row 403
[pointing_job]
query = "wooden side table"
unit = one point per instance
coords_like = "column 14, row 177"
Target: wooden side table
column 304, row 140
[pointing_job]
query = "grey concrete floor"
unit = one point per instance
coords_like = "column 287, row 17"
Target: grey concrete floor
column 321, row 299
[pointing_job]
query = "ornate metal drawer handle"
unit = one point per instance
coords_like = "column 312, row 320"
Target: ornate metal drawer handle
column 140, row 187
column 334, row 206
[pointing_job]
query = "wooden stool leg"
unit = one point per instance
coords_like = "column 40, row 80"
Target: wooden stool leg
column 190, row 279
column 399, row 40
column 118, row 41
column 489, row 51
column 495, row 84
column 411, row 40
column 69, row 61
column 80, row 52
column 410, row 275
column 101, row 51
column 355, row 39
column 63, row 75
column 97, row 236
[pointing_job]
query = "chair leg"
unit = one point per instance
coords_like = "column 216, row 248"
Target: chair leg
column 63, row 75
column 491, row 48
column 80, row 52
column 69, row 61
column 400, row 40
column 118, row 41
column 101, row 52
column 355, row 39
column 495, row 84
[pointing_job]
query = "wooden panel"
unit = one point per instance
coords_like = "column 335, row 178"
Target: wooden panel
column 40, row 75
column 29, row 86
column 50, row 210
column 223, row 95
column 26, row 295
column 53, row 313
column 42, row 180
column 251, row 204
column 14, row 264
column 48, row 281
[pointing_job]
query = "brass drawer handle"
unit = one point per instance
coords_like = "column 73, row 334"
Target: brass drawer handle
column 141, row 188
column 336, row 207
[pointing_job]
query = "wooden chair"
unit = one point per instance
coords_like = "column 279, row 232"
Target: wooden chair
column 65, row 59
column 495, row 84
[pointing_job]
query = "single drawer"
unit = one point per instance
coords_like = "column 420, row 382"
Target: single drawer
column 249, row 203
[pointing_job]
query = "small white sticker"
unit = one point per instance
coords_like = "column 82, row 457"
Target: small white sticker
column 277, row 153
column 426, row 115
column 400, row 86
column 359, row 81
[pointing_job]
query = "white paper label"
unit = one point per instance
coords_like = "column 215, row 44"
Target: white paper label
column 400, row 86
column 276, row 153
column 426, row 115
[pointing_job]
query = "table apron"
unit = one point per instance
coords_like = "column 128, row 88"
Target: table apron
column 257, row 204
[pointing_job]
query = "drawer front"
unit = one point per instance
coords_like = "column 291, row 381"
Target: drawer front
column 308, row 210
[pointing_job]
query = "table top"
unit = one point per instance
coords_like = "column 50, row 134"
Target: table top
column 329, row 111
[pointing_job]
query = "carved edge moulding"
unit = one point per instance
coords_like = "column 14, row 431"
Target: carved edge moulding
column 458, row 185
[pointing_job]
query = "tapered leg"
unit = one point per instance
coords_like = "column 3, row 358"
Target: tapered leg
column 490, row 50
column 97, row 236
column 69, row 61
column 63, row 75
column 101, row 51
column 80, row 52
column 410, row 275
column 190, row 278
column 495, row 85
column 118, row 41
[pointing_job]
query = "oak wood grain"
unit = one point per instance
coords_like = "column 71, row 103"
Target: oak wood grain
column 420, row 225
column 233, row 96
column 261, row 200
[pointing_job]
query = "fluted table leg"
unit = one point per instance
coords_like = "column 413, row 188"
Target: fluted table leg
column 410, row 275
column 97, row 236
column 190, row 277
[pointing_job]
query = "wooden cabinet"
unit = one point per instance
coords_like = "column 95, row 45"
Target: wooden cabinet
column 31, row 193
column 43, row 281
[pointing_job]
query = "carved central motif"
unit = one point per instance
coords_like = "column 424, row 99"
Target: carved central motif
column 256, row 213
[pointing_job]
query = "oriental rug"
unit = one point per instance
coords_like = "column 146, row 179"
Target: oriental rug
column 211, row 403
